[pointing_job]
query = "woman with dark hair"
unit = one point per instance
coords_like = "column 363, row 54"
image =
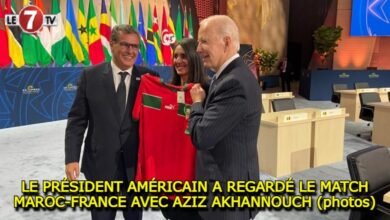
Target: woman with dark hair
column 187, row 64
column 187, row 68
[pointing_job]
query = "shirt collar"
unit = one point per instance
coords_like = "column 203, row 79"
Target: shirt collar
column 225, row 64
column 117, row 70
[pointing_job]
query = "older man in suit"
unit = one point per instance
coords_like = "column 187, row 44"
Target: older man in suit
column 103, row 104
column 225, row 125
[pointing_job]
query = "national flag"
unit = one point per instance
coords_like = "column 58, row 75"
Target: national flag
column 186, row 34
column 73, row 48
column 179, row 25
column 29, row 42
column 13, row 33
column 82, row 31
column 96, row 53
column 43, row 41
column 58, row 37
column 105, row 31
column 150, row 49
column 141, row 30
column 114, row 21
column 171, row 27
column 190, row 28
column 133, row 16
column 167, row 38
column 121, row 13
column 156, row 36
column 5, row 59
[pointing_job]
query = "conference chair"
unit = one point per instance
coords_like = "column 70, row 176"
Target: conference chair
column 366, row 110
column 336, row 95
column 361, row 85
column 371, row 164
column 283, row 104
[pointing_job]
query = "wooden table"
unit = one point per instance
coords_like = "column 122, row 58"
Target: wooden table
column 268, row 97
column 295, row 140
column 381, row 129
column 350, row 100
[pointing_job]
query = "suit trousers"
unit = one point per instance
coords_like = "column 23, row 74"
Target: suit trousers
column 110, row 213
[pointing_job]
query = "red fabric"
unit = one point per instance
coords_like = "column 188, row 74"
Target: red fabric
column 5, row 60
column 166, row 34
column 165, row 150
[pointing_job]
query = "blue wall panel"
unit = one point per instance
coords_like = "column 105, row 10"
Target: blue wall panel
column 317, row 84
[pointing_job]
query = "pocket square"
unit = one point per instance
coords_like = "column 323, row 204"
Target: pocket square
column 137, row 78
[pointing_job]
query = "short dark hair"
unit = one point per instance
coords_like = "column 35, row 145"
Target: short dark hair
column 124, row 29
column 195, row 65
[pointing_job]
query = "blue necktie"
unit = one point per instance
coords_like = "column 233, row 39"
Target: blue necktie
column 213, row 79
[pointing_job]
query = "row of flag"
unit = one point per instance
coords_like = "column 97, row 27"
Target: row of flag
column 85, row 40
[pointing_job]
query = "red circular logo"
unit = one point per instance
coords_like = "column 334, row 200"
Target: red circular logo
column 31, row 19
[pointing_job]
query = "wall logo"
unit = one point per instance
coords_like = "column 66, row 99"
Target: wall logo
column 373, row 76
column 70, row 87
column 344, row 75
column 31, row 19
column 30, row 90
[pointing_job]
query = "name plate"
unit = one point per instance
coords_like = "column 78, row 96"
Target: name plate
column 368, row 90
column 295, row 117
column 330, row 112
column 281, row 94
column 386, row 197
column 384, row 89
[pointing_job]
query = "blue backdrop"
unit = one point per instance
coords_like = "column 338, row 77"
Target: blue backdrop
column 36, row 95
column 317, row 84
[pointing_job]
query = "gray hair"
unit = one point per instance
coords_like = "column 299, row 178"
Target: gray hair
column 224, row 26
column 124, row 29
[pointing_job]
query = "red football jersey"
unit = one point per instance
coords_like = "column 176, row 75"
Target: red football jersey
column 165, row 151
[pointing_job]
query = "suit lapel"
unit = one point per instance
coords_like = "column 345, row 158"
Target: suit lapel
column 109, row 87
column 134, row 85
column 235, row 63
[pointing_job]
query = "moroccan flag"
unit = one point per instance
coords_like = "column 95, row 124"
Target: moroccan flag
column 190, row 28
column 58, row 37
column 13, row 33
column 150, row 49
column 167, row 38
column 156, row 36
column 29, row 42
column 141, row 30
column 186, row 34
column 43, row 41
column 82, row 31
column 114, row 20
column 105, row 31
column 179, row 25
column 96, row 53
column 73, row 48
column 5, row 59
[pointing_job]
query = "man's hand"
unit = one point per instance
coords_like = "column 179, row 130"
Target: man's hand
column 197, row 93
column 72, row 171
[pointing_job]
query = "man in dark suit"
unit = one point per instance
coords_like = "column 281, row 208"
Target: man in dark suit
column 103, row 104
column 226, row 128
column 285, row 74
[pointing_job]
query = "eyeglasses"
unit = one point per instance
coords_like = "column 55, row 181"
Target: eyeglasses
column 128, row 45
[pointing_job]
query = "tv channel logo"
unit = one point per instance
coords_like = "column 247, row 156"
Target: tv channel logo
column 31, row 19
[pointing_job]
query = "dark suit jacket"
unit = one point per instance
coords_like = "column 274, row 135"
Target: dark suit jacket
column 108, row 136
column 225, row 130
